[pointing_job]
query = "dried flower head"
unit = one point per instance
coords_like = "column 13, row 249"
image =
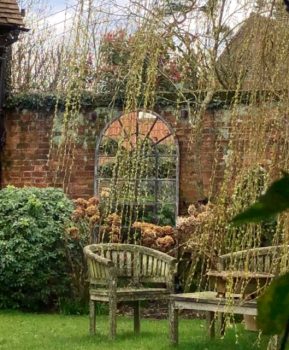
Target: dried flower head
column 93, row 201
column 168, row 231
column 165, row 242
column 137, row 225
column 192, row 210
column 113, row 219
column 78, row 214
column 149, row 242
column 80, row 202
column 105, row 193
column 149, row 233
column 73, row 232
column 94, row 219
column 92, row 210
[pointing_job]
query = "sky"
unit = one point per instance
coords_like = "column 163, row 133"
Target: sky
column 56, row 13
column 57, row 4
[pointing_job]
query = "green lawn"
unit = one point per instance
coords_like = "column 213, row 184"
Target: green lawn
column 24, row 331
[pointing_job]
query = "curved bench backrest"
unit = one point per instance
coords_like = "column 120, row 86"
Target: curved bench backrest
column 273, row 259
column 137, row 263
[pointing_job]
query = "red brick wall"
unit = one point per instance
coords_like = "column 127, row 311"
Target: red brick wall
column 25, row 153
column 199, row 159
column 28, row 142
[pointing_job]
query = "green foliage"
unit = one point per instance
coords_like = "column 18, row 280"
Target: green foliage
column 108, row 147
column 167, row 168
column 273, row 306
column 73, row 306
column 47, row 102
column 106, row 169
column 33, row 268
column 167, row 215
column 89, row 100
column 43, row 102
column 274, row 201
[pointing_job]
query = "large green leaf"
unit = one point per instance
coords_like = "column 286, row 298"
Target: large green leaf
column 274, row 201
column 273, row 306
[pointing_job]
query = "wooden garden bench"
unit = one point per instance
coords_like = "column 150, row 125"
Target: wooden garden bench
column 273, row 260
column 129, row 273
column 210, row 303
column 246, row 272
column 249, row 271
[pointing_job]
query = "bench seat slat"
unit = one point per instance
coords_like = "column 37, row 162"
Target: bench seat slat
column 144, row 264
column 128, row 263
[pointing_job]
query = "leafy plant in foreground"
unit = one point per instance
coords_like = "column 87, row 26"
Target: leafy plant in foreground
column 273, row 202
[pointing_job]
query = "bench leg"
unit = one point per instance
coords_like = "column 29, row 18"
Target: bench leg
column 210, row 315
column 112, row 318
column 136, row 318
column 173, row 323
column 274, row 343
column 91, row 317
column 222, row 324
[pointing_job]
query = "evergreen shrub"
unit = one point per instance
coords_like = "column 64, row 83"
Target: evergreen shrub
column 34, row 272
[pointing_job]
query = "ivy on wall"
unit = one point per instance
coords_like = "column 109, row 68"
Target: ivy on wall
column 102, row 102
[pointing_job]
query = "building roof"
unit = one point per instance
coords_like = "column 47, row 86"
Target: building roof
column 257, row 57
column 10, row 15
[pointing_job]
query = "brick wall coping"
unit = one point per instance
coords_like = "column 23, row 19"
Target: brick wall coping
column 46, row 102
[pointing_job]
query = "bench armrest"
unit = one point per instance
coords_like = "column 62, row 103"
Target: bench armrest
column 100, row 259
column 99, row 268
column 172, row 271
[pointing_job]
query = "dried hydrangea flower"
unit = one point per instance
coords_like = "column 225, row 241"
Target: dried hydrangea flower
column 92, row 210
column 73, row 232
column 93, row 201
column 80, row 202
column 77, row 214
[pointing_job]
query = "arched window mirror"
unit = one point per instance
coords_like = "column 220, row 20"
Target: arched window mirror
column 137, row 160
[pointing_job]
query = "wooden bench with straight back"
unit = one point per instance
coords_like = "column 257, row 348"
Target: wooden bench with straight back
column 130, row 273
column 257, row 265
column 273, row 260
column 249, row 271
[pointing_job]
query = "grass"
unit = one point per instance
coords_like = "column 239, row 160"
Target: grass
column 24, row 331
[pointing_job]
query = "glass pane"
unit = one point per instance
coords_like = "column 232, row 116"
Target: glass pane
column 167, row 192
column 167, row 168
column 108, row 146
column 166, row 147
column 106, row 167
column 166, row 215
column 147, row 191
